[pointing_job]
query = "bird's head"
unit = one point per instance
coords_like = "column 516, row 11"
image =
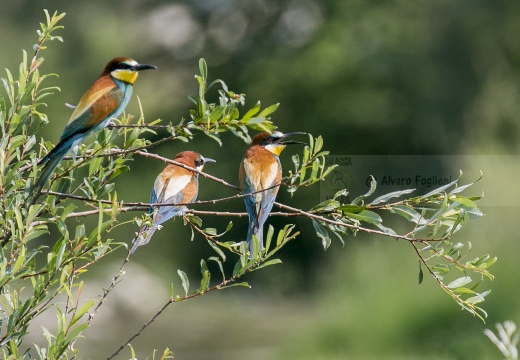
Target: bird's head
column 193, row 159
column 275, row 142
column 125, row 69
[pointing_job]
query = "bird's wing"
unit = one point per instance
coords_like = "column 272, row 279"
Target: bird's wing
column 168, row 189
column 93, row 109
column 259, row 205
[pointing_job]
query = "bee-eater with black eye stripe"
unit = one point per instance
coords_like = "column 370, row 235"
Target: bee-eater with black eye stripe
column 260, row 175
column 104, row 100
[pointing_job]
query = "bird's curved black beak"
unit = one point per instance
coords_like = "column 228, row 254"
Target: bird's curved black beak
column 290, row 142
column 207, row 160
column 140, row 67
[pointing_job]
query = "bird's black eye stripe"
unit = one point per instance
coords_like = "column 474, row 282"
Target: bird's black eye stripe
column 125, row 66
column 199, row 162
column 121, row 66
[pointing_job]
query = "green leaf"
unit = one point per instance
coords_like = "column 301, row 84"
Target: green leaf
column 219, row 263
column 253, row 111
column 463, row 290
column 386, row 197
column 352, row 209
column 409, row 214
column 74, row 333
column 82, row 311
column 185, row 281
column 203, row 68
column 206, row 276
column 478, row 298
column 268, row 110
column 367, row 216
column 421, row 275
column 322, row 234
column 459, row 282
column 244, row 284
column 269, row 263
column 373, row 185
column 459, row 189
column 327, row 205
column 442, row 188
column 217, row 250
column 269, row 237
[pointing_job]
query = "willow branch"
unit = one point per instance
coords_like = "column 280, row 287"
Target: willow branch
column 114, row 282
column 207, row 176
column 172, row 301
column 350, row 226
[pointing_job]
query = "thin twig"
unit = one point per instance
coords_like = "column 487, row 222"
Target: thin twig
column 166, row 160
column 109, row 289
column 171, row 301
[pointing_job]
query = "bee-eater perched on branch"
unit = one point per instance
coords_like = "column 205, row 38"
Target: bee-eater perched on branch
column 104, row 100
column 174, row 185
column 260, row 175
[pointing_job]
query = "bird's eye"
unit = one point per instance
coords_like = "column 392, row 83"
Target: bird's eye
column 270, row 139
column 124, row 66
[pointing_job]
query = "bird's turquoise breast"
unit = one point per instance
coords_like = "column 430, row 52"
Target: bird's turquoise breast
column 127, row 94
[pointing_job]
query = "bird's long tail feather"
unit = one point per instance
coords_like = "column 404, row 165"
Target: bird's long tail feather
column 143, row 237
column 259, row 233
column 51, row 160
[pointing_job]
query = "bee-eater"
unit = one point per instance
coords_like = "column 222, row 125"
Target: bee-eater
column 260, row 175
column 104, row 100
column 174, row 185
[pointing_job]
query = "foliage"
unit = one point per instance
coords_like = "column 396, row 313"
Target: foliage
column 506, row 340
column 34, row 276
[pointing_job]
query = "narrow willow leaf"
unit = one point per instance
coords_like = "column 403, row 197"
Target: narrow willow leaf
column 206, row 276
column 268, row 110
column 219, row 263
column 74, row 333
column 440, row 268
column 352, row 209
column 322, row 234
column 268, row 263
column 327, row 205
column 244, row 284
column 269, row 237
column 386, row 229
column 478, row 298
column 373, row 186
column 253, row 111
column 442, row 188
column 203, row 68
column 296, row 161
column 459, row 189
column 367, row 216
column 185, row 281
column 463, row 290
column 409, row 214
column 59, row 256
column 459, row 282
column 421, row 275
column 217, row 250
column 386, row 197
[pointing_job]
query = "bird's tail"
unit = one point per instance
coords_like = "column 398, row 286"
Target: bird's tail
column 258, row 231
column 143, row 237
column 51, row 161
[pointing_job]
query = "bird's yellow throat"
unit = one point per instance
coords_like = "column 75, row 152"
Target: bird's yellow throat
column 128, row 76
column 275, row 148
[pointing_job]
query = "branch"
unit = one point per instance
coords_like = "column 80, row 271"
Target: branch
column 166, row 160
column 171, row 301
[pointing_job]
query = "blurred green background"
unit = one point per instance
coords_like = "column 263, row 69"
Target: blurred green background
column 373, row 78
